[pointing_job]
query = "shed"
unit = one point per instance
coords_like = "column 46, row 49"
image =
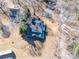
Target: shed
column 8, row 54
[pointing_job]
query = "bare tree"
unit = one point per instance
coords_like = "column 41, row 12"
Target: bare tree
column 3, row 7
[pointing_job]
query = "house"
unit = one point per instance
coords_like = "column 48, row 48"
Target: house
column 36, row 29
column 8, row 54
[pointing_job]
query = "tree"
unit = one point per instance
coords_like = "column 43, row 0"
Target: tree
column 5, row 30
column 3, row 7
column 23, row 27
column 76, row 48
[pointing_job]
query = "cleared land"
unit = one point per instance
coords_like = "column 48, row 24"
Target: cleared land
column 20, row 47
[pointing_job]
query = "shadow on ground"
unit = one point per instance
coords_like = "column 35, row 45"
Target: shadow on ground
column 32, row 40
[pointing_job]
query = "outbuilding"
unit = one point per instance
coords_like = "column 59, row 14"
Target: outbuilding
column 8, row 54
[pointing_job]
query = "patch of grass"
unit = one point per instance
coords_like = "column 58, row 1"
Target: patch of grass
column 76, row 48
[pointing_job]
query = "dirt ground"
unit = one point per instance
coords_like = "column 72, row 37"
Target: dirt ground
column 20, row 47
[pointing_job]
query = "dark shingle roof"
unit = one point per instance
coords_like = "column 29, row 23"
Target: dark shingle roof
column 37, row 28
